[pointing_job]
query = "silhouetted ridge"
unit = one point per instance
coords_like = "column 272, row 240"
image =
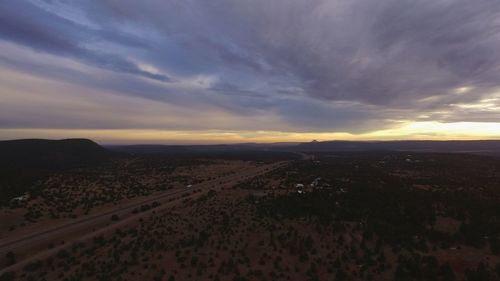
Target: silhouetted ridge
column 480, row 146
column 37, row 158
column 476, row 146
column 49, row 153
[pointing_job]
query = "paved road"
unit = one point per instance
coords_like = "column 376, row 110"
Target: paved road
column 107, row 214
column 84, row 226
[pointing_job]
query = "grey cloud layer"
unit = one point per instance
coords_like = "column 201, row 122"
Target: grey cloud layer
column 27, row 24
column 302, row 60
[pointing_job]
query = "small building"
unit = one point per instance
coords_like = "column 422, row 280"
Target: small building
column 20, row 198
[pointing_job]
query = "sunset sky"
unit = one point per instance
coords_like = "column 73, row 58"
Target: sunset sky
column 226, row 71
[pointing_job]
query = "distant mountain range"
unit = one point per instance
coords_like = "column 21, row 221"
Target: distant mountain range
column 476, row 146
column 22, row 162
column 179, row 149
column 481, row 146
column 70, row 151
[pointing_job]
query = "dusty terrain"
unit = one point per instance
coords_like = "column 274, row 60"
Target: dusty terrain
column 380, row 216
column 65, row 196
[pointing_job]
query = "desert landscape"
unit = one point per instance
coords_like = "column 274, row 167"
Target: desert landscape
column 287, row 216
column 250, row 140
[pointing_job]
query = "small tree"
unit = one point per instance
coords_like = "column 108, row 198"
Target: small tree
column 8, row 276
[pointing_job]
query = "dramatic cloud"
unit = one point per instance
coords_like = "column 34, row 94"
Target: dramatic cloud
column 27, row 24
column 285, row 65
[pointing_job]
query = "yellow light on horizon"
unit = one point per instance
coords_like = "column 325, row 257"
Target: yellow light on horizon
column 429, row 130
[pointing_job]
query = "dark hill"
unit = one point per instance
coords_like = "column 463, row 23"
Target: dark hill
column 50, row 153
column 22, row 162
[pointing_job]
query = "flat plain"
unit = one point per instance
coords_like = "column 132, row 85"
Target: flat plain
column 307, row 216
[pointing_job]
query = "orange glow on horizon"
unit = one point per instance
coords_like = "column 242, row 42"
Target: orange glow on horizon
column 407, row 131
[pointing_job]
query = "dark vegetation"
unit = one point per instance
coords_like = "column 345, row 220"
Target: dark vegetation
column 36, row 158
column 228, row 152
column 73, row 192
column 480, row 147
column 359, row 216
column 25, row 161
column 400, row 200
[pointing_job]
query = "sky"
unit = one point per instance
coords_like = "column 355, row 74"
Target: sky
column 225, row 71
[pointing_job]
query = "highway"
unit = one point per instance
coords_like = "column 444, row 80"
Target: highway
column 37, row 242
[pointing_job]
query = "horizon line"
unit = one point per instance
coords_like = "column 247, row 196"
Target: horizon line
column 126, row 143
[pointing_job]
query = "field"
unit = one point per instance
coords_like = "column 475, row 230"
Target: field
column 326, row 216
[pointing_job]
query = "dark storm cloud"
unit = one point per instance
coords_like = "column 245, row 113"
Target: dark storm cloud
column 317, row 64
column 389, row 52
column 27, row 24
